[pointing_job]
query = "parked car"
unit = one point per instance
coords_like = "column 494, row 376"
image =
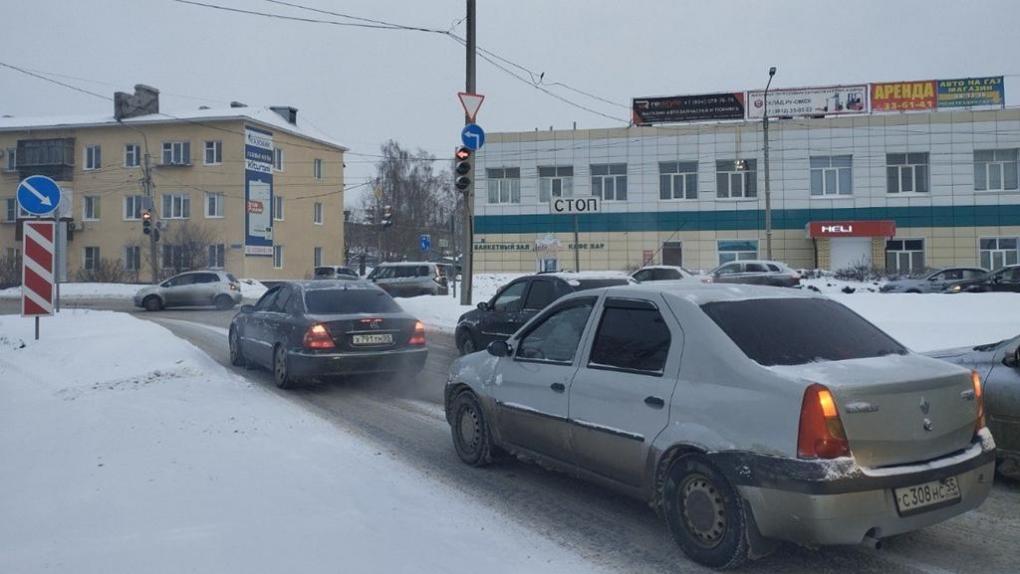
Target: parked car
column 773, row 273
column 191, row 289
column 520, row 300
column 998, row 364
column 411, row 278
column 661, row 273
column 334, row 272
column 745, row 415
column 934, row 282
column 325, row 328
column 1006, row 279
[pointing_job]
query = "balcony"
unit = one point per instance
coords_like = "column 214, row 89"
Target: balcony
column 50, row 157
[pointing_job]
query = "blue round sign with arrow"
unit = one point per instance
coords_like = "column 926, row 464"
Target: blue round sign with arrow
column 38, row 194
column 473, row 136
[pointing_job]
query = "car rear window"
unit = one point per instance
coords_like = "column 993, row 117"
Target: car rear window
column 347, row 301
column 324, row 271
column 582, row 284
column 799, row 331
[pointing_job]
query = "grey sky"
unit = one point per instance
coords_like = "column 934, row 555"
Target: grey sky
column 364, row 86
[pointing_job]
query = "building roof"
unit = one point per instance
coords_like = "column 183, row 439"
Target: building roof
column 264, row 116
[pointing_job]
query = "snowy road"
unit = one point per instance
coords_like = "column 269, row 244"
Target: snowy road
column 623, row 535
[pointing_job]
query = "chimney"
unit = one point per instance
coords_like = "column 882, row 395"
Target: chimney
column 288, row 113
column 237, row 104
column 143, row 102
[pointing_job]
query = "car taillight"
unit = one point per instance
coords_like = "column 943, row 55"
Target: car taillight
column 418, row 337
column 975, row 380
column 821, row 433
column 317, row 337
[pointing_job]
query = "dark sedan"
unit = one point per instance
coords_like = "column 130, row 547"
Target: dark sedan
column 1006, row 279
column 772, row 273
column 324, row 328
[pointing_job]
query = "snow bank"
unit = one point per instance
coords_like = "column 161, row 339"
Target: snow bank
column 126, row 449
column 440, row 313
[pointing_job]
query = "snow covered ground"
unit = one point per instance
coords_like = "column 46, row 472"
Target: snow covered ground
column 250, row 289
column 126, row 449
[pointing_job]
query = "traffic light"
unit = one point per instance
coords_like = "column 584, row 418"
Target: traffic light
column 147, row 222
column 462, row 169
column 387, row 216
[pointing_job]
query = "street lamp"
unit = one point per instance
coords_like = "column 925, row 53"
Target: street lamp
column 768, row 187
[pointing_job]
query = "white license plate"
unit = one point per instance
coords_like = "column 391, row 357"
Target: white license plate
column 921, row 497
column 375, row 339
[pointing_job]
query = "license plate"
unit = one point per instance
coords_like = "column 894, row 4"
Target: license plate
column 374, row 339
column 927, row 496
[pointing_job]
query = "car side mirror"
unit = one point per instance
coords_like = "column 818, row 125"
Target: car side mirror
column 483, row 306
column 499, row 348
column 247, row 308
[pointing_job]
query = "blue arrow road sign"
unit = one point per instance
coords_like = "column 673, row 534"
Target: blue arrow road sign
column 473, row 136
column 38, row 195
column 425, row 242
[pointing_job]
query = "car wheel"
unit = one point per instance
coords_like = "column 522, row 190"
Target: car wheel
column 466, row 343
column 281, row 370
column 705, row 514
column 224, row 302
column 236, row 354
column 152, row 303
column 918, row 291
column 471, row 437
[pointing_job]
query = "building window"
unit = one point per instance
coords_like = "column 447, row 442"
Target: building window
column 277, row 208
column 132, row 258
column 504, row 184
column 213, row 152
column 609, row 181
column 213, row 204
column 173, row 257
column 277, row 257
column 132, row 155
column 555, row 182
column 133, row 206
column 278, row 159
column 176, row 153
column 90, row 208
column 317, row 257
column 904, row 256
column 176, row 206
column 678, row 180
column 93, row 157
column 995, row 170
column 12, row 253
column 907, row 172
column 11, row 163
column 91, row 260
column 736, row 250
column 11, row 209
column 217, row 255
column 736, row 179
column 831, row 175
column 317, row 213
column 317, row 168
column 997, row 252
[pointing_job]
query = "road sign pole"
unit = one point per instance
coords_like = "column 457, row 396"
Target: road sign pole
column 577, row 248
column 36, row 327
column 467, row 257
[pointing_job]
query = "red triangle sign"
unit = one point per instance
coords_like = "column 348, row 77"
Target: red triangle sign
column 471, row 103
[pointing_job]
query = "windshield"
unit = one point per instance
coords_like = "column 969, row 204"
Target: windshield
column 324, row 272
column 349, row 301
column 798, row 331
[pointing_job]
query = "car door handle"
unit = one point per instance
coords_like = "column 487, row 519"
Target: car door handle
column 655, row 402
column 558, row 387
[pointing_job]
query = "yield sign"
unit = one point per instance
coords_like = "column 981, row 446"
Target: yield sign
column 471, row 103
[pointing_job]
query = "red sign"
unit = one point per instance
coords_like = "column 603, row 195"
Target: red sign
column 903, row 96
column 37, row 269
column 881, row 228
column 255, row 206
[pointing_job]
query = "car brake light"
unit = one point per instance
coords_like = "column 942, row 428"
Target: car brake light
column 975, row 380
column 317, row 337
column 821, row 433
column 418, row 337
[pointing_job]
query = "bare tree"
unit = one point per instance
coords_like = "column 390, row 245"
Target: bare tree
column 104, row 271
column 184, row 246
column 10, row 271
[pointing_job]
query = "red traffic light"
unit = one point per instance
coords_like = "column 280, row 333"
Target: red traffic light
column 462, row 154
column 147, row 215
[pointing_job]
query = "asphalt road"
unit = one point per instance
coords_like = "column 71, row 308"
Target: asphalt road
column 405, row 418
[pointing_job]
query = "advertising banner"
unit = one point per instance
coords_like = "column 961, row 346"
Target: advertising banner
column 725, row 106
column 966, row 92
column 903, row 96
column 258, row 192
column 833, row 100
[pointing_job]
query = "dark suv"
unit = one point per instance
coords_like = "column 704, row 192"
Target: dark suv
column 1005, row 279
column 518, row 301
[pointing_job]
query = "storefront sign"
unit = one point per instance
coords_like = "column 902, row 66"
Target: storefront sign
column 575, row 205
column 967, row 92
column 502, row 246
column 258, row 192
column 725, row 106
column 881, row 228
column 903, row 96
column 833, row 100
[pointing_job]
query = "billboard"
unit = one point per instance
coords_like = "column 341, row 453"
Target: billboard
column 723, row 106
column 903, row 96
column 258, row 192
column 966, row 92
column 832, row 100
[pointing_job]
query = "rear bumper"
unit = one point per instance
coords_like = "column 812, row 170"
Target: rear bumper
column 305, row 364
column 814, row 504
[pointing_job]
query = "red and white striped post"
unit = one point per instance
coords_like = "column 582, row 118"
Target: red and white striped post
column 37, row 270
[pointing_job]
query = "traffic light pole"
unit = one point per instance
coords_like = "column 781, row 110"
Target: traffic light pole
column 147, row 182
column 467, row 258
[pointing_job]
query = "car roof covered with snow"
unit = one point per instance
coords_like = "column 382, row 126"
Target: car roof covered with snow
column 701, row 293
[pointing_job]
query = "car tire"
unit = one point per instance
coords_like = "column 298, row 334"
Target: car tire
column 918, row 291
column 705, row 514
column 281, row 369
column 236, row 352
column 466, row 343
column 471, row 437
column 224, row 302
column 152, row 303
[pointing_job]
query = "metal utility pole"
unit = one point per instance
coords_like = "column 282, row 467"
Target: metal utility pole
column 768, row 185
column 467, row 267
column 577, row 248
column 147, row 184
